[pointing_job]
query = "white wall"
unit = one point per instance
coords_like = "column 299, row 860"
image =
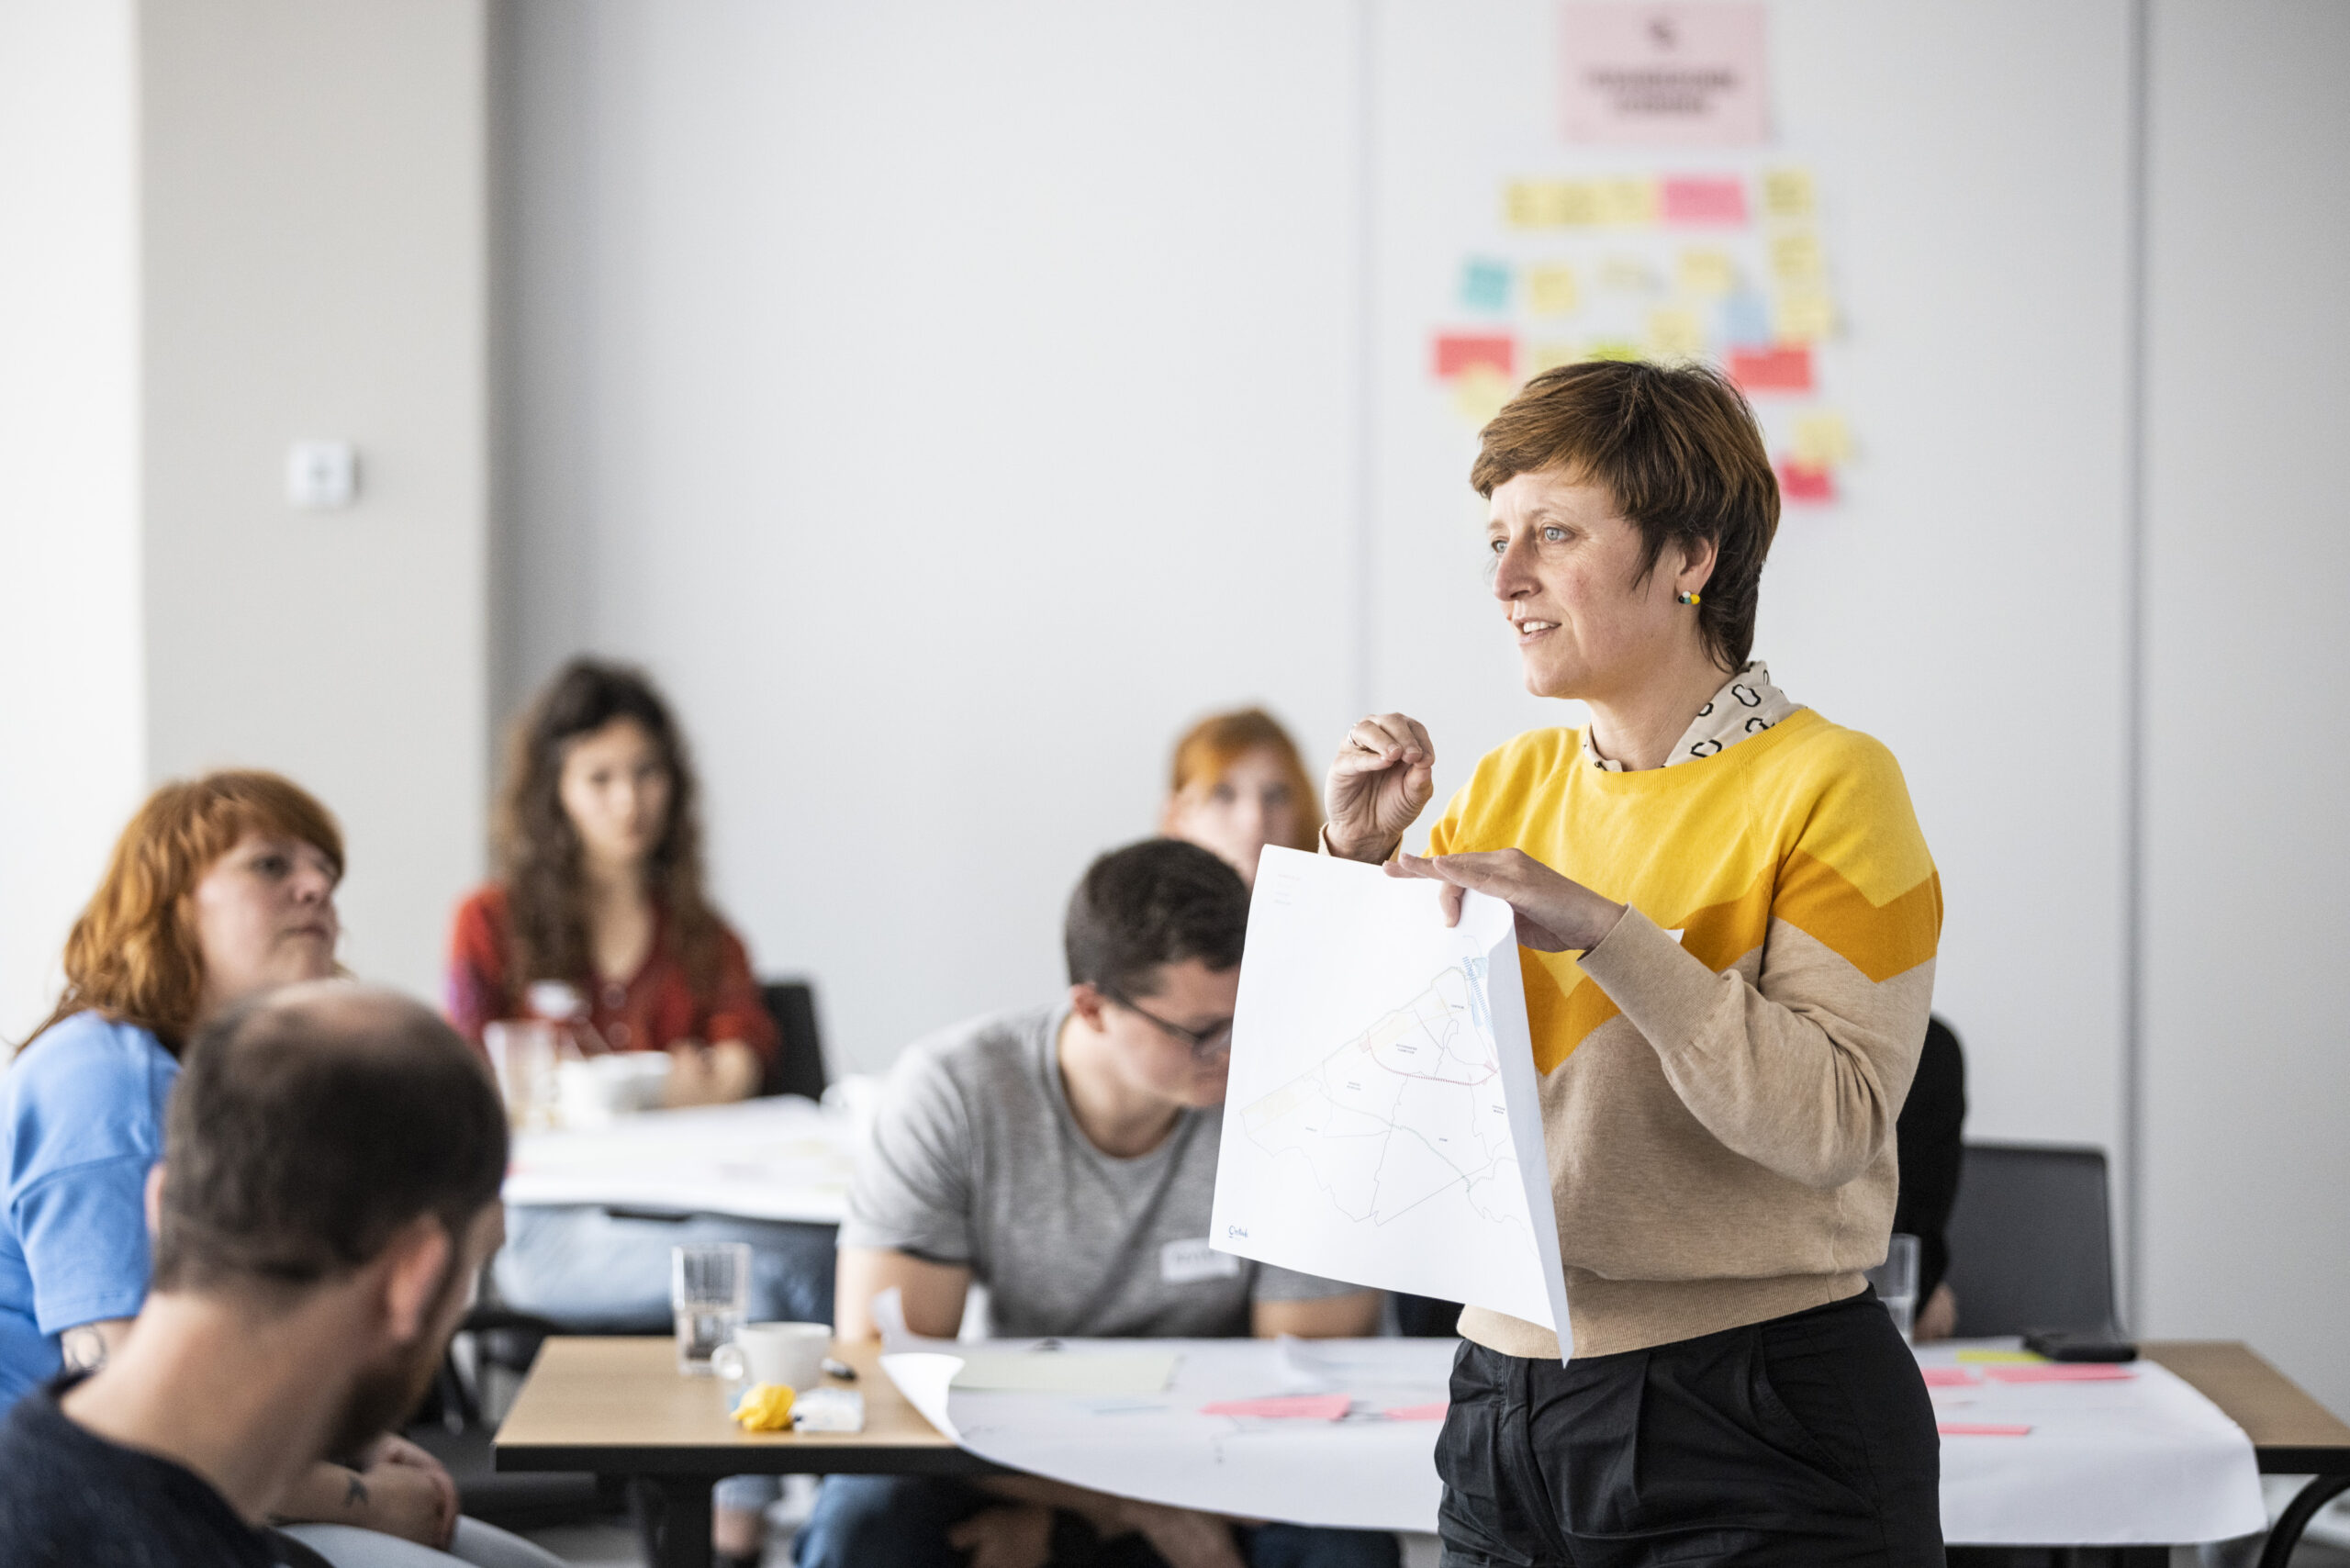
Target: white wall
column 947, row 403
column 2248, row 850
column 315, row 265
column 70, row 706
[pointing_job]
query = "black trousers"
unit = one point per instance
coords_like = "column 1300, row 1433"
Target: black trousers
column 1805, row 1441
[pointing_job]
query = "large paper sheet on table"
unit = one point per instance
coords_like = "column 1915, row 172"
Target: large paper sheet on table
column 1382, row 1124
column 1327, row 1432
column 780, row 1158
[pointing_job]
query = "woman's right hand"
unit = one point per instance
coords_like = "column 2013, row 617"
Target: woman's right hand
column 1378, row 783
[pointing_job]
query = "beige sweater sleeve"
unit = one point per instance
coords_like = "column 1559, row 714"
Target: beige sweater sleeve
column 1791, row 1057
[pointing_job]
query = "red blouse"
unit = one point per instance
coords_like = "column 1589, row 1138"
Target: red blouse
column 651, row 1011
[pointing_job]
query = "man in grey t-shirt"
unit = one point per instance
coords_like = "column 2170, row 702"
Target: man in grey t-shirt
column 1065, row 1157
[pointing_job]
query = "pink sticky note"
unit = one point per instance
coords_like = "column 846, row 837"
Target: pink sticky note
column 1704, row 198
column 1947, row 1377
column 1293, row 1406
column 1799, row 482
column 1666, row 73
column 2061, row 1371
column 1418, row 1412
column 1784, row 369
column 1456, row 352
column 1979, row 1429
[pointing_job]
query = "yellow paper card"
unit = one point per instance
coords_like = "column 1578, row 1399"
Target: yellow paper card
column 1998, row 1357
column 1796, row 258
column 1676, row 335
column 1628, row 204
column 1707, row 274
column 1803, row 318
column 1786, row 193
column 1478, row 392
column 1550, row 356
column 1551, row 290
column 1549, row 203
column 1822, row 440
column 1628, row 274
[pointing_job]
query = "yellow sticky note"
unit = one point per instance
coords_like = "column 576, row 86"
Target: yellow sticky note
column 1707, row 274
column 1478, row 392
column 1628, row 274
column 1551, row 290
column 1624, row 203
column 1676, row 335
column 1998, row 1357
column 1550, row 356
column 1786, row 193
column 1796, row 258
column 1822, row 440
column 1803, row 318
column 1605, row 350
column 1531, row 204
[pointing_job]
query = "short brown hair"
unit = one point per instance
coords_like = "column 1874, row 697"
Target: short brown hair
column 1678, row 449
column 309, row 1125
column 1151, row 904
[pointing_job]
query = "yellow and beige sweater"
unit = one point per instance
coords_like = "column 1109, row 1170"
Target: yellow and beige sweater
column 1720, row 1075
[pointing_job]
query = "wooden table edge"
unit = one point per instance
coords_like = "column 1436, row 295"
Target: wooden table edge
column 2291, row 1433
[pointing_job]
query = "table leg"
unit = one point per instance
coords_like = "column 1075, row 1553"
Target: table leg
column 2322, row 1490
column 676, row 1514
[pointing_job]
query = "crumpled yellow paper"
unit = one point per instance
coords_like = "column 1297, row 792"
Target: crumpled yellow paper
column 765, row 1407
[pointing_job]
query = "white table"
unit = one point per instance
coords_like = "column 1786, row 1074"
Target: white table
column 781, row 1158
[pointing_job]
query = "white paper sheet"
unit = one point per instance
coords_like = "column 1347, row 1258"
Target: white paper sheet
column 1383, row 1125
column 780, row 1158
column 1125, row 1370
column 1371, row 1469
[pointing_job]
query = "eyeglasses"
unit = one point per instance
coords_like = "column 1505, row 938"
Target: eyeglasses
column 1204, row 1043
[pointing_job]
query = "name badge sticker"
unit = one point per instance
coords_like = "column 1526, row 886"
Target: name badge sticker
column 1189, row 1262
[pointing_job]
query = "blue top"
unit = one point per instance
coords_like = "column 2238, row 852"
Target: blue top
column 80, row 1125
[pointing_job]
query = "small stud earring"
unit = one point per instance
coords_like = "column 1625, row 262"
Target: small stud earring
column 1686, row 597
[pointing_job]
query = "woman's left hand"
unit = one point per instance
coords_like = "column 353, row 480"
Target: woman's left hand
column 1555, row 914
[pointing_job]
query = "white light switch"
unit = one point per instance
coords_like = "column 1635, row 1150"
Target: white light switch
column 321, row 476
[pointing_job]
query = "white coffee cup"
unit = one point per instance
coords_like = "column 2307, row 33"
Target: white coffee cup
column 790, row 1353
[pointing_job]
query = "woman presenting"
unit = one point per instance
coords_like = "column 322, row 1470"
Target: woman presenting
column 1732, row 917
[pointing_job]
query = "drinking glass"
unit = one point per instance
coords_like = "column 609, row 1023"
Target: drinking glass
column 523, row 1053
column 1896, row 1281
column 709, row 1289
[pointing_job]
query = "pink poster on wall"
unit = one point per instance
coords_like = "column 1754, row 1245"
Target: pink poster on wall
column 1665, row 74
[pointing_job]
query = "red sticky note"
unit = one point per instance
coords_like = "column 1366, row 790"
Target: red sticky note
column 1947, row 1377
column 1786, row 368
column 1980, row 1429
column 1456, row 352
column 1418, row 1412
column 1295, row 1407
column 1799, row 483
column 1696, row 198
column 2061, row 1371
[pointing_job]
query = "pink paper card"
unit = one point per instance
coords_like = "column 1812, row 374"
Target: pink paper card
column 1456, row 352
column 1947, row 1377
column 2061, row 1371
column 1979, row 1429
column 1291, row 1407
column 1798, row 482
column 1784, row 369
column 1666, row 73
column 1697, row 199
column 1418, row 1412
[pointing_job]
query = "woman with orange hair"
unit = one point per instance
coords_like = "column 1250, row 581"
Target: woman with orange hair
column 1238, row 786
column 218, row 890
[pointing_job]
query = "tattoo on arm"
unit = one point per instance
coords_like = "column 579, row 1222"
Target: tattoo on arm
column 354, row 1493
column 84, row 1349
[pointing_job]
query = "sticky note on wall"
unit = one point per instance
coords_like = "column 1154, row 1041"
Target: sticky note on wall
column 1484, row 284
column 1822, row 440
column 1478, row 392
column 1540, row 357
column 1456, row 352
column 1626, row 204
column 1786, row 193
column 1796, row 259
column 1549, row 203
column 1801, row 482
column 1551, row 290
column 1803, row 318
column 1707, row 274
column 1784, row 368
column 1692, row 199
column 1676, row 335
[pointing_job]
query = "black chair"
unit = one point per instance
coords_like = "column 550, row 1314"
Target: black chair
column 2031, row 1241
column 798, row 1066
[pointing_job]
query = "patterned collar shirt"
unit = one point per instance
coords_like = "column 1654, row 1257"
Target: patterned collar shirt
column 1747, row 704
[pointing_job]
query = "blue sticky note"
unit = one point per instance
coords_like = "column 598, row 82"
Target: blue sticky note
column 1484, row 284
column 1746, row 322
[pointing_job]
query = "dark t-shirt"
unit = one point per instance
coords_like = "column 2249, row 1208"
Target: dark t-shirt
column 70, row 1499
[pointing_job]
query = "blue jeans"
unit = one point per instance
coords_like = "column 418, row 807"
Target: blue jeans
column 903, row 1520
column 598, row 1273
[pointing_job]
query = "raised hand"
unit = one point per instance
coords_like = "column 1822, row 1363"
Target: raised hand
column 1381, row 779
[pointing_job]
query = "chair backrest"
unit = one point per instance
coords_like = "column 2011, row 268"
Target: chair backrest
column 2031, row 1241
column 800, row 1063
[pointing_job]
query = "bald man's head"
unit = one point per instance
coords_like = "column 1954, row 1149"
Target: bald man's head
column 312, row 1123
